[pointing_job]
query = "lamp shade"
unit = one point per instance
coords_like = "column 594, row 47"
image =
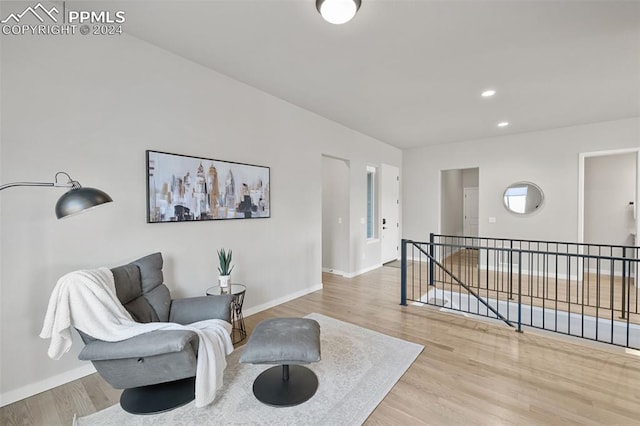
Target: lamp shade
column 77, row 200
column 338, row 11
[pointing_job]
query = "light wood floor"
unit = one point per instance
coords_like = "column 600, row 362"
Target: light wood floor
column 471, row 372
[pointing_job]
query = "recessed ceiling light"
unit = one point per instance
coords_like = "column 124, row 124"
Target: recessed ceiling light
column 488, row 93
column 503, row 124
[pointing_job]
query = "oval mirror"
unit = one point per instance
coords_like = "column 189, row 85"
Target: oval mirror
column 523, row 197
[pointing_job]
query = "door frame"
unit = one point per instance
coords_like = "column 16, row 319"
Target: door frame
column 440, row 192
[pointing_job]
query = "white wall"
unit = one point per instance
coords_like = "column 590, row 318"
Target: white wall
column 547, row 158
column 609, row 186
column 335, row 215
column 470, row 178
column 91, row 106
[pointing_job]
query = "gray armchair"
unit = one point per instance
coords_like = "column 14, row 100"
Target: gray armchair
column 156, row 369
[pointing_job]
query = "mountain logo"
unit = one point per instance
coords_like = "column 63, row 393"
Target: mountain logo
column 38, row 11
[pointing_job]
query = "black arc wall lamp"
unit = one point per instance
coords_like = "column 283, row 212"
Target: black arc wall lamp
column 76, row 200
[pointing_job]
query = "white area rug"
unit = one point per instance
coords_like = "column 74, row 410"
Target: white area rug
column 358, row 368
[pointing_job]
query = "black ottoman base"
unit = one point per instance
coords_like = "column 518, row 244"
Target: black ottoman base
column 285, row 386
column 158, row 398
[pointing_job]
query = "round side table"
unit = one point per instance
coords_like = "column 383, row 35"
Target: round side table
column 238, row 332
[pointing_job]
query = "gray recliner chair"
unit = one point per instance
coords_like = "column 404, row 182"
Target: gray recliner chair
column 156, row 369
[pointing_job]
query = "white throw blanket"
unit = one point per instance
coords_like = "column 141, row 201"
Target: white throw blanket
column 87, row 301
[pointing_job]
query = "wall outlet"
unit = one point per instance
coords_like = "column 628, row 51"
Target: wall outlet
column 492, row 220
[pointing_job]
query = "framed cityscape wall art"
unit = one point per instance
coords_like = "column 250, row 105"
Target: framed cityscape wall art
column 183, row 188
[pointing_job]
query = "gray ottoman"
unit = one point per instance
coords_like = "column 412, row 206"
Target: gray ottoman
column 288, row 342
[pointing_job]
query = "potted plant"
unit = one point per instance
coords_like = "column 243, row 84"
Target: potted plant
column 225, row 267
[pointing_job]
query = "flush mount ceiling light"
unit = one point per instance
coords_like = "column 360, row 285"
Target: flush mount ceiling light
column 338, row 11
column 503, row 124
column 488, row 93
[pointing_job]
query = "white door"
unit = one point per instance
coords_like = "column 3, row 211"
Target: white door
column 470, row 225
column 390, row 212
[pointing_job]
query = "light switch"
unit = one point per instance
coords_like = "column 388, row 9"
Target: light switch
column 492, row 220
column 362, row 220
column 340, row 221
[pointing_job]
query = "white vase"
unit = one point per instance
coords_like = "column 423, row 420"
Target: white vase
column 224, row 281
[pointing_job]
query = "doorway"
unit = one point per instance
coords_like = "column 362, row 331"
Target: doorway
column 609, row 199
column 609, row 189
column 459, row 202
column 335, row 215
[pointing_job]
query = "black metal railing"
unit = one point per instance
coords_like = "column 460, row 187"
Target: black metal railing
column 583, row 290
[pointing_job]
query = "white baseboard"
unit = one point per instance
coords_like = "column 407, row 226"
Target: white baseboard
column 607, row 273
column 351, row 274
column 362, row 271
column 334, row 271
column 46, row 384
column 281, row 300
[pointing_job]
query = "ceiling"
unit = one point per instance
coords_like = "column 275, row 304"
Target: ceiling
column 410, row 72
